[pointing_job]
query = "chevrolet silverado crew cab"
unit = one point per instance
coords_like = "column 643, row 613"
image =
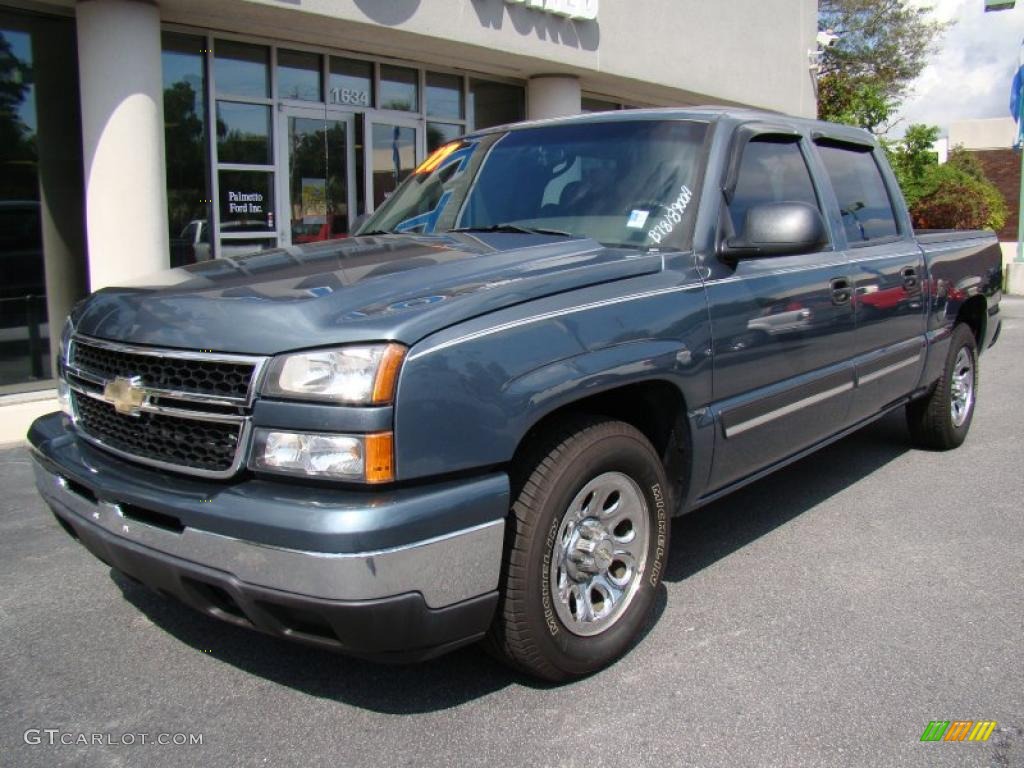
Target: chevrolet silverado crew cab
column 475, row 419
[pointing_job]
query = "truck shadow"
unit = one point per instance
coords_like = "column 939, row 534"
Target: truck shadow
column 699, row 540
column 729, row 524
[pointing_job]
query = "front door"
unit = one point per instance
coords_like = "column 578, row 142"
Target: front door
column 318, row 190
column 782, row 329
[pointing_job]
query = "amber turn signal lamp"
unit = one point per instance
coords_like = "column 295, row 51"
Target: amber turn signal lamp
column 387, row 374
column 380, row 457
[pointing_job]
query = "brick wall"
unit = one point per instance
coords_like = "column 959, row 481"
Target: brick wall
column 1002, row 166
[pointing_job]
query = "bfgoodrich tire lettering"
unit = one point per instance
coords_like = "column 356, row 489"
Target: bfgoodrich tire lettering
column 531, row 631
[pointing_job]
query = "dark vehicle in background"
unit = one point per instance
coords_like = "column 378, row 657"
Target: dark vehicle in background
column 475, row 419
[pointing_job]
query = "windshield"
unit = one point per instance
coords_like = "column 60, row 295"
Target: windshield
column 622, row 183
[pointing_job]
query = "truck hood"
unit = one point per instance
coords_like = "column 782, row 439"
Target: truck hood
column 393, row 287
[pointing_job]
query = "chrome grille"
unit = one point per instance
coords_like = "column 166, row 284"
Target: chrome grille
column 209, row 446
column 192, row 409
column 199, row 376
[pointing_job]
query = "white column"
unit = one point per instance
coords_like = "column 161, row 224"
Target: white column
column 122, row 139
column 552, row 96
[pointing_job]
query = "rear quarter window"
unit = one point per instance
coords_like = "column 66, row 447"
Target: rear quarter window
column 864, row 201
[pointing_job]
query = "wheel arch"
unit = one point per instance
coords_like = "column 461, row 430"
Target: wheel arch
column 654, row 406
column 974, row 314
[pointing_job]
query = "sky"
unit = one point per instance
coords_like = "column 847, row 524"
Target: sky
column 970, row 75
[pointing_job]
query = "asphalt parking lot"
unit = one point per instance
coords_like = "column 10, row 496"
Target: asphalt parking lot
column 820, row 617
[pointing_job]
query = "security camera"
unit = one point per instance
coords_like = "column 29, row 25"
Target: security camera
column 827, row 38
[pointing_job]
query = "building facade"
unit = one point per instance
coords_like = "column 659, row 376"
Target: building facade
column 140, row 135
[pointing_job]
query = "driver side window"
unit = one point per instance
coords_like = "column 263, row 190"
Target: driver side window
column 772, row 171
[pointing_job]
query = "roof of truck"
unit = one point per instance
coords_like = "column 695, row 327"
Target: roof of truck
column 710, row 113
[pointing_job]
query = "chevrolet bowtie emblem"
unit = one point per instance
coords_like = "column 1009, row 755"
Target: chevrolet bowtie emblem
column 126, row 395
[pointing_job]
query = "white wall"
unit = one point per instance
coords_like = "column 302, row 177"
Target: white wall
column 993, row 133
column 641, row 51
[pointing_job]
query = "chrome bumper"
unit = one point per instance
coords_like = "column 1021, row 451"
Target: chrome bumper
column 445, row 570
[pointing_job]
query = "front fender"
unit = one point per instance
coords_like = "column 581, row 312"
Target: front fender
column 466, row 402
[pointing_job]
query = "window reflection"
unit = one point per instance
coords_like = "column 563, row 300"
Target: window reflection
column 24, row 347
column 242, row 69
column 399, row 88
column 394, row 157
column 493, row 103
column 243, row 133
column 444, row 95
column 298, row 75
column 439, row 134
column 350, row 82
column 188, row 189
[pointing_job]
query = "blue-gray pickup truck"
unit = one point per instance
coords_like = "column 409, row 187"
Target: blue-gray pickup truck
column 475, row 419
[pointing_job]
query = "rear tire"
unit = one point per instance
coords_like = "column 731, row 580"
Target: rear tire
column 585, row 549
column 940, row 421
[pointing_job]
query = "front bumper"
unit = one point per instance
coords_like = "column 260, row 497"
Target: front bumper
column 406, row 600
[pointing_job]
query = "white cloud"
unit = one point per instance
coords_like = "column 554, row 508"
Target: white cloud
column 970, row 75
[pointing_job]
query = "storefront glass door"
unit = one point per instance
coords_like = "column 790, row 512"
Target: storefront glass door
column 318, row 190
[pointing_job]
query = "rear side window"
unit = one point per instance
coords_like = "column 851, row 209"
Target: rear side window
column 863, row 199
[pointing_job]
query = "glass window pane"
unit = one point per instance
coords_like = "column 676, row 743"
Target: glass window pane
column 298, row 75
column 24, row 352
column 188, row 188
column 399, row 88
column 439, row 134
column 770, row 172
column 350, row 82
column 246, row 202
column 597, row 105
column 863, row 199
column 495, row 103
column 444, row 95
column 243, row 133
column 394, row 158
column 318, row 179
column 242, row 69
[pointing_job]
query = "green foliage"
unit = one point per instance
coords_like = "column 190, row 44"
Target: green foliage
column 912, row 159
column 882, row 47
column 955, row 195
column 863, row 103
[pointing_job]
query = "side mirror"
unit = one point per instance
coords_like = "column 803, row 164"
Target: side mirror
column 776, row 229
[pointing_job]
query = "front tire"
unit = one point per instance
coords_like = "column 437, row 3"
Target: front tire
column 941, row 420
column 586, row 548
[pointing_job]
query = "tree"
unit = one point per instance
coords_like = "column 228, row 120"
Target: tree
column 957, row 195
column 912, row 159
column 882, row 46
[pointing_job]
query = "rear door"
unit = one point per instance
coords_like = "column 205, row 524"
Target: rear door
column 888, row 273
column 782, row 325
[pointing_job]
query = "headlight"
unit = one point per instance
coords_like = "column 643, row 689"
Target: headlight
column 357, row 458
column 357, row 375
column 65, row 341
column 63, row 390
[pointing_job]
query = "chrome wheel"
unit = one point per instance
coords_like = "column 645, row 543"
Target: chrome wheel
column 599, row 553
column 961, row 397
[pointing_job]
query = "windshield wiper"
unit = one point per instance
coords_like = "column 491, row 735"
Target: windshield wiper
column 377, row 232
column 515, row 228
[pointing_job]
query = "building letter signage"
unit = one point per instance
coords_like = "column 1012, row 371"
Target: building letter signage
column 584, row 10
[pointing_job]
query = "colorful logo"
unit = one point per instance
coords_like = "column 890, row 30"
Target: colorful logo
column 958, row 730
